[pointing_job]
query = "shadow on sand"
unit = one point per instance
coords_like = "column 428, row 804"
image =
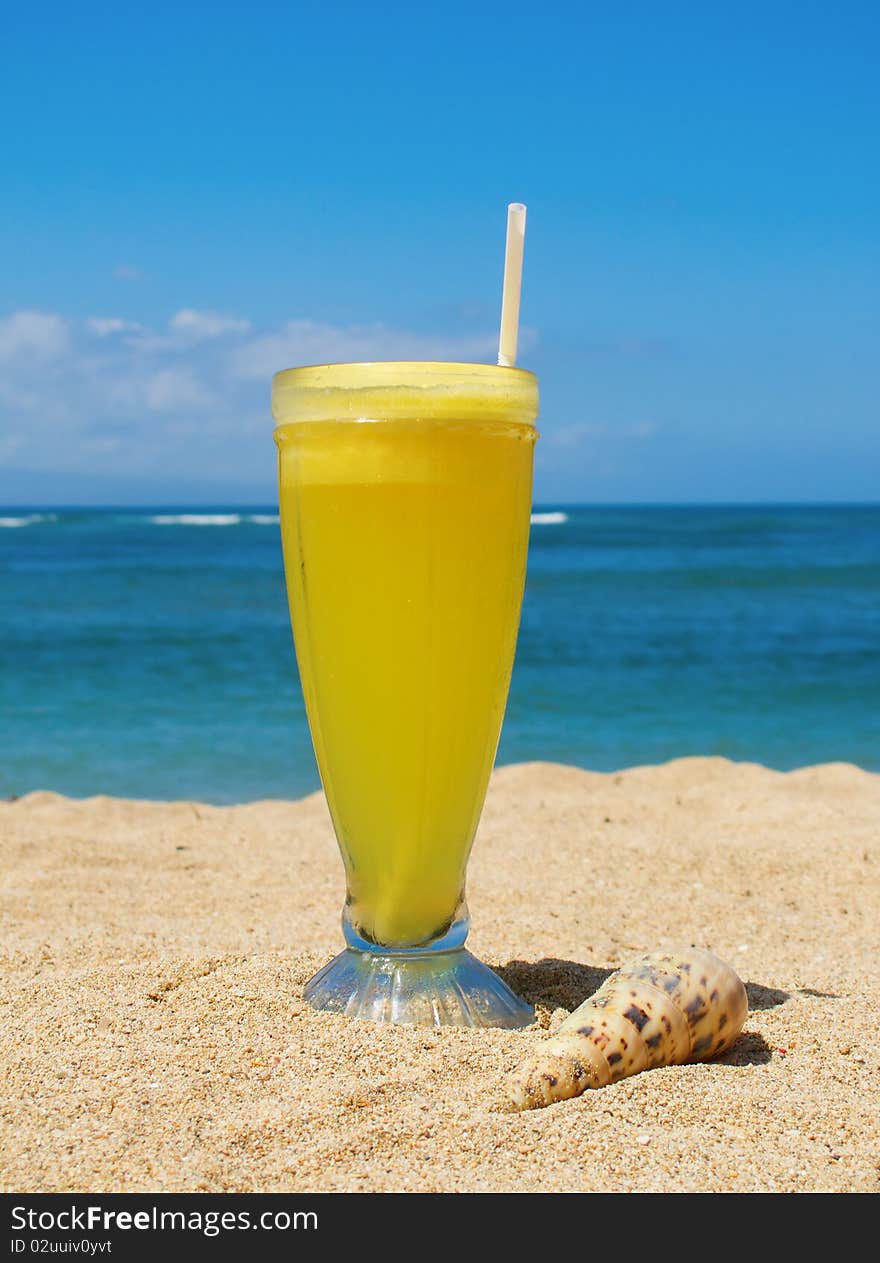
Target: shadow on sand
column 761, row 997
column 564, row 984
column 553, row 983
column 749, row 1049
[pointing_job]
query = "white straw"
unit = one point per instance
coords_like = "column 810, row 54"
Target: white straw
column 513, row 262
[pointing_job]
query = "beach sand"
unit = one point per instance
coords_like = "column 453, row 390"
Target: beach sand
column 154, row 1035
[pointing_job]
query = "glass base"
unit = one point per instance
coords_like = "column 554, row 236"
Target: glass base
column 445, row 988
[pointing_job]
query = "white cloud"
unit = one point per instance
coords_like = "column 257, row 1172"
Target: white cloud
column 105, row 326
column 591, row 451
column 9, row 445
column 190, row 396
column 309, row 342
column 576, row 434
column 175, row 390
column 581, row 432
column 205, row 324
column 33, row 335
column 642, row 429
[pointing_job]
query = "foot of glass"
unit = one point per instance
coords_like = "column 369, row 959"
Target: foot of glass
column 447, row 988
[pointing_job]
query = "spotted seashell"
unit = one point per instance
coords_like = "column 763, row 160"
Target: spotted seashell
column 662, row 1009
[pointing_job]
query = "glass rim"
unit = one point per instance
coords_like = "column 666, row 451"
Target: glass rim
column 371, row 370
column 392, row 388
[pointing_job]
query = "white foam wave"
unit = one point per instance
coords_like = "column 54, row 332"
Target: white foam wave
column 549, row 519
column 264, row 519
column 196, row 519
column 29, row 519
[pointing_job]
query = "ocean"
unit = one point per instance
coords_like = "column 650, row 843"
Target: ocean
column 147, row 652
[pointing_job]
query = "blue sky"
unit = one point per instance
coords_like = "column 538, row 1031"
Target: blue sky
column 196, row 195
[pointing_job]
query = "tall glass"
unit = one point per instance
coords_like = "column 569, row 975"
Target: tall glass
column 405, row 493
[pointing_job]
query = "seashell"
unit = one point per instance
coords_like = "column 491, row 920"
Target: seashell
column 662, row 1009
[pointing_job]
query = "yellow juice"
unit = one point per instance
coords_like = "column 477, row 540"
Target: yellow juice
column 405, row 541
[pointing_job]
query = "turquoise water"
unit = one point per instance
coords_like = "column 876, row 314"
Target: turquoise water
column 148, row 652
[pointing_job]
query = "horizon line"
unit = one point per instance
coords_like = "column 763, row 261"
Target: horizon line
column 272, row 505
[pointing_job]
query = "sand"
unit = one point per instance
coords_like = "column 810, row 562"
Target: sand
column 154, row 1035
